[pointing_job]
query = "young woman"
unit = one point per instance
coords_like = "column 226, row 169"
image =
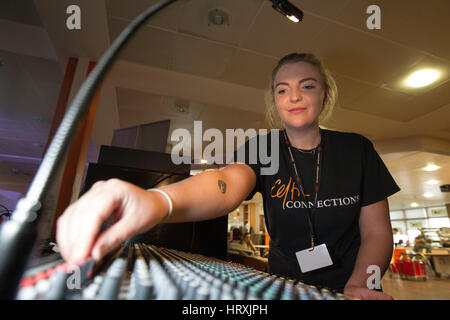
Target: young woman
column 326, row 208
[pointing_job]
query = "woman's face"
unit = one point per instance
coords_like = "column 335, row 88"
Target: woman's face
column 299, row 94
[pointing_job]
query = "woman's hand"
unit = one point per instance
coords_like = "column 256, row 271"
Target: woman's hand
column 365, row 293
column 130, row 209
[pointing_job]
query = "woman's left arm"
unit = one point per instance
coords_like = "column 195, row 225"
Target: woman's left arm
column 375, row 250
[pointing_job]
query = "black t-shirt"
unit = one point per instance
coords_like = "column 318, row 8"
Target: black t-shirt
column 353, row 175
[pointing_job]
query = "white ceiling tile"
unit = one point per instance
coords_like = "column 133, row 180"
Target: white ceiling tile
column 199, row 57
column 427, row 102
column 357, row 55
column 383, row 103
column 249, row 69
column 240, row 13
column 167, row 18
column 350, row 89
column 414, row 23
column 149, row 46
column 327, row 8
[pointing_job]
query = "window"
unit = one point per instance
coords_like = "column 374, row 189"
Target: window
column 395, row 215
column 409, row 221
column 437, row 212
column 415, row 213
column 439, row 223
column 400, row 225
column 417, row 224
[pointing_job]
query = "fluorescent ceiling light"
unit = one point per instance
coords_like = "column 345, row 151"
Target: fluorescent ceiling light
column 427, row 194
column 432, row 181
column 414, row 204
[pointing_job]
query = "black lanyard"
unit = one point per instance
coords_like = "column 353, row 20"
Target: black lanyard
column 301, row 186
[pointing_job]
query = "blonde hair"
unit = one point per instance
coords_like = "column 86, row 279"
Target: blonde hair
column 272, row 115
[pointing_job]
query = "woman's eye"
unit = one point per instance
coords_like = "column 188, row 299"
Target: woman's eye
column 309, row 87
column 282, row 91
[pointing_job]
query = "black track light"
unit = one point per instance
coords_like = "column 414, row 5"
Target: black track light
column 288, row 10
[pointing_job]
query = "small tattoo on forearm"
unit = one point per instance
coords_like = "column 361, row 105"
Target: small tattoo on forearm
column 222, row 186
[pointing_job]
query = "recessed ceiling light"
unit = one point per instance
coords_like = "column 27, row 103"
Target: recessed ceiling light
column 432, row 181
column 414, row 204
column 431, row 167
column 427, row 194
column 422, row 78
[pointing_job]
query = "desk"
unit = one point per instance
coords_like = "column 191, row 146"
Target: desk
column 441, row 262
column 256, row 262
column 261, row 248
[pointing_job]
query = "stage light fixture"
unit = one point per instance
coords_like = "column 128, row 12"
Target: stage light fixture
column 288, row 10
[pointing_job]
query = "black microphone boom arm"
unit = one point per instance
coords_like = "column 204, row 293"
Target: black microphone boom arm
column 17, row 236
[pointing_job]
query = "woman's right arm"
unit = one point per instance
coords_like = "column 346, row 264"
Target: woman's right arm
column 134, row 210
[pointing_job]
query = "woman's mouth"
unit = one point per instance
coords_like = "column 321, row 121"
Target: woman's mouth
column 296, row 110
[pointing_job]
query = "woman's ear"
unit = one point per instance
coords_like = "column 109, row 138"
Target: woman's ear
column 325, row 97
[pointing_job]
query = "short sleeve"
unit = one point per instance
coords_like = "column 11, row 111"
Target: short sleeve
column 377, row 182
column 246, row 155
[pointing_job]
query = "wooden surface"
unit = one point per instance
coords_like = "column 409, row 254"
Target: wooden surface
column 256, row 262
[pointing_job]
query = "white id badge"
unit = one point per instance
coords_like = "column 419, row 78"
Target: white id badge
column 314, row 258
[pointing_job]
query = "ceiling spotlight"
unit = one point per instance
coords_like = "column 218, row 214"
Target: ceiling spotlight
column 431, row 167
column 422, row 78
column 288, row 10
column 432, row 181
column 427, row 194
column 414, row 204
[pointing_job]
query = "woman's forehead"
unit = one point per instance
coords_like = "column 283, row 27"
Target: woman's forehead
column 297, row 70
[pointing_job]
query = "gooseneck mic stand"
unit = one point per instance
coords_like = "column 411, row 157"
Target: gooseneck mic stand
column 18, row 235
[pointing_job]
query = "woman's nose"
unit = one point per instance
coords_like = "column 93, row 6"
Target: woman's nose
column 295, row 95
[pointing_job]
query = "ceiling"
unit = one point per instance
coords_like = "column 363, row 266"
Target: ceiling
column 218, row 72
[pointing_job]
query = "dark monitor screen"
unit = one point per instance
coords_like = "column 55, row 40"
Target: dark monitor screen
column 204, row 237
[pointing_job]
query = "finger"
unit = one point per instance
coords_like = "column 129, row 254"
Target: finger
column 83, row 220
column 64, row 232
column 89, row 223
column 376, row 295
column 111, row 238
column 61, row 234
column 385, row 296
column 97, row 184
